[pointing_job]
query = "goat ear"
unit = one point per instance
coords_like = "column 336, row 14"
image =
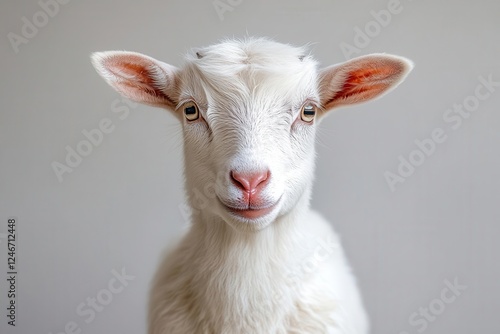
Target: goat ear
column 361, row 79
column 138, row 77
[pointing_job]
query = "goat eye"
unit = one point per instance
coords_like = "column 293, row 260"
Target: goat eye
column 191, row 111
column 307, row 113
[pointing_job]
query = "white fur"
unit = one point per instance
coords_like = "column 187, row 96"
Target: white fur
column 284, row 272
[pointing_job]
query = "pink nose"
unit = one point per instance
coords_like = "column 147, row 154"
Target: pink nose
column 250, row 182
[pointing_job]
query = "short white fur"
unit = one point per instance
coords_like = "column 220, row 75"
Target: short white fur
column 230, row 273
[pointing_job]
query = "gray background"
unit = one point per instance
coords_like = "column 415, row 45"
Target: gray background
column 122, row 205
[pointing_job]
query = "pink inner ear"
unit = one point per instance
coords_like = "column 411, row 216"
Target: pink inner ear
column 135, row 74
column 367, row 81
column 130, row 68
column 124, row 69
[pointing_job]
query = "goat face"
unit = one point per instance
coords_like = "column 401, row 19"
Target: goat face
column 249, row 132
column 249, row 111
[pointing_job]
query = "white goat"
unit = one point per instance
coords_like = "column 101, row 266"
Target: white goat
column 256, row 258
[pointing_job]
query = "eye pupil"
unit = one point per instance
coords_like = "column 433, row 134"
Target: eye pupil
column 309, row 111
column 190, row 110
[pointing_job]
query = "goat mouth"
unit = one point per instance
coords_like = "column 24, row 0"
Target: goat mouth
column 250, row 212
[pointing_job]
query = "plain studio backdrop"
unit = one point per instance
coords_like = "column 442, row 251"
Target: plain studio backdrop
column 411, row 181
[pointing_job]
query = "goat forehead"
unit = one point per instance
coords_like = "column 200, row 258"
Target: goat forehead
column 235, row 54
column 243, row 68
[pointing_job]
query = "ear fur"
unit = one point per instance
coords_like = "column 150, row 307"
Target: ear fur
column 139, row 77
column 361, row 79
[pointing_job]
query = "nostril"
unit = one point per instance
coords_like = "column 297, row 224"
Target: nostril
column 250, row 181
